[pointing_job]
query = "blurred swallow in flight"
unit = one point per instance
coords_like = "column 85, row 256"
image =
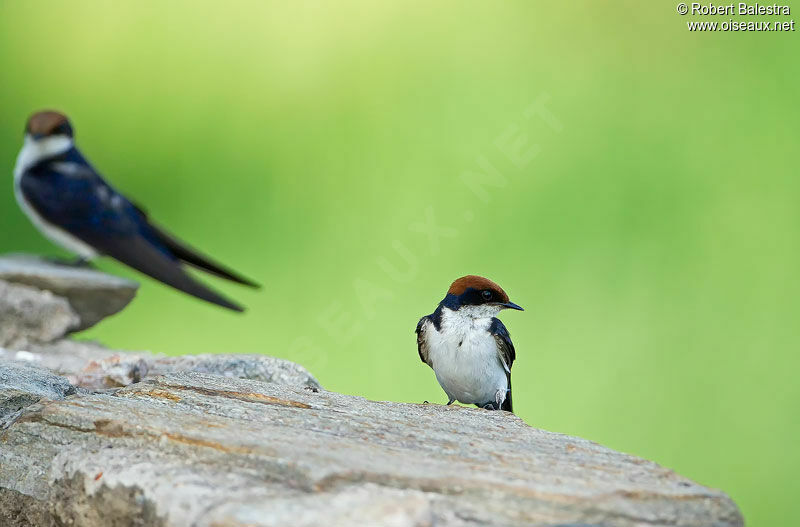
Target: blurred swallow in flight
column 73, row 206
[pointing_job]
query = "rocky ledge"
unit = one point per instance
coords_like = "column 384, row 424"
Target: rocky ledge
column 88, row 295
column 92, row 437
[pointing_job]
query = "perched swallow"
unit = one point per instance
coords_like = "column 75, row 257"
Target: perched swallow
column 470, row 350
column 73, row 206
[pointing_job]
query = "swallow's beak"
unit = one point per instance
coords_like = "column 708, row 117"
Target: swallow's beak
column 512, row 305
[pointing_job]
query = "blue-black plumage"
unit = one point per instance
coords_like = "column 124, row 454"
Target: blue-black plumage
column 467, row 346
column 68, row 200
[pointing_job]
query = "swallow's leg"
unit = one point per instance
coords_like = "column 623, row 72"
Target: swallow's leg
column 82, row 263
column 79, row 262
column 489, row 406
column 499, row 397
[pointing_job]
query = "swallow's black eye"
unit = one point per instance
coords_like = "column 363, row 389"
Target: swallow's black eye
column 487, row 295
column 62, row 129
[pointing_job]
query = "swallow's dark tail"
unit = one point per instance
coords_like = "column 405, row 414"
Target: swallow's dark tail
column 507, row 406
column 147, row 258
column 192, row 257
column 198, row 290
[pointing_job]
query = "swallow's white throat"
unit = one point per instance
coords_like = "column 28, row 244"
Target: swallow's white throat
column 479, row 311
column 465, row 357
column 33, row 151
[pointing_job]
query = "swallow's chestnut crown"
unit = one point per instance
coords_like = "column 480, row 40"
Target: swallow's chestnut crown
column 478, row 283
column 46, row 123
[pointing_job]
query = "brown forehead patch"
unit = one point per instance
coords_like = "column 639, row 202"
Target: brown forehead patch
column 45, row 122
column 476, row 282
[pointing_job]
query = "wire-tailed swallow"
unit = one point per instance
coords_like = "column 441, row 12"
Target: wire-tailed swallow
column 470, row 350
column 73, row 206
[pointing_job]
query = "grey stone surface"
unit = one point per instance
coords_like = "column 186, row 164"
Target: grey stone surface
column 96, row 437
column 83, row 363
column 254, row 367
column 92, row 294
column 22, row 385
column 92, row 366
column 30, row 315
column 196, row 449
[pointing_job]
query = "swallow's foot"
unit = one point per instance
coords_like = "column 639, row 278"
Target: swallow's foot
column 451, row 401
column 80, row 263
column 490, row 406
column 425, row 402
column 499, row 397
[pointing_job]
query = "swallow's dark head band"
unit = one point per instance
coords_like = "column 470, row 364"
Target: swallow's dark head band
column 478, row 283
column 473, row 290
column 48, row 123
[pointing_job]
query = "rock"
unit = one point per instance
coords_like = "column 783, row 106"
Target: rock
column 22, row 385
column 255, row 367
column 196, row 449
column 241, row 440
column 30, row 315
column 86, row 364
column 92, row 366
column 92, row 294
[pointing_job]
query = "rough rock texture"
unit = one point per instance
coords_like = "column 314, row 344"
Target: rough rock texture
column 92, row 437
column 254, row 367
column 48, row 300
column 93, row 295
column 196, row 449
column 90, row 365
column 29, row 315
column 22, row 385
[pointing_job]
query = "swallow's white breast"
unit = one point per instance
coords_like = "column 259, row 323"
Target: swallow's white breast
column 465, row 359
column 32, row 152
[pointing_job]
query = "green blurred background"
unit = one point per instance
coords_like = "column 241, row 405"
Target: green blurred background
column 653, row 238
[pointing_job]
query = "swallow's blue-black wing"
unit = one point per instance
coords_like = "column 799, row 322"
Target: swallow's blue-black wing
column 68, row 193
column 507, row 354
column 422, row 345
